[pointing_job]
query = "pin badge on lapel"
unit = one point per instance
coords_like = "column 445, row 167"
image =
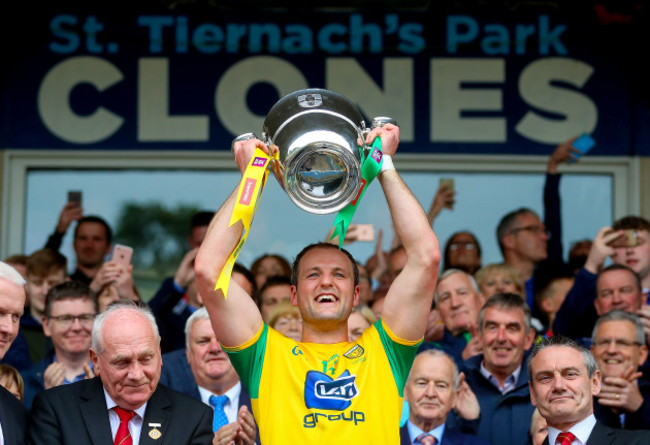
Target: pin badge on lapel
column 154, row 433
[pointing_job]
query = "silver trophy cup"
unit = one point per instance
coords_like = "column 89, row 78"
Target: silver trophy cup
column 316, row 132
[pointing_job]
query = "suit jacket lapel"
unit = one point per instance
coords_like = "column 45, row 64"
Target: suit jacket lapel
column 95, row 413
column 245, row 399
column 6, row 417
column 601, row 435
column 158, row 411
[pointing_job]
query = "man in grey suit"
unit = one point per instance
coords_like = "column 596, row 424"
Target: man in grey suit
column 203, row 370
column 13, row 414
column 564, row 378
column 125, row 402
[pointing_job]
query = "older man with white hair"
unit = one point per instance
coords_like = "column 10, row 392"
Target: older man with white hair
column 433, row 388
column 125, row 402
column 13, row 414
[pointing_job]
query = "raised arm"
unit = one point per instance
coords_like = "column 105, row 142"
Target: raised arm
column 563, row 153
column 408, row 302
column 236, row 319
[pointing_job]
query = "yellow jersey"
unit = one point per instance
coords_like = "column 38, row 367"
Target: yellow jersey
column 309, row 393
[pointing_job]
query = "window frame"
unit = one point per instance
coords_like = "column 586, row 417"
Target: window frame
column 625, row 172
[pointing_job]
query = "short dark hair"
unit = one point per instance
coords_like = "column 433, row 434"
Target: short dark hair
column 46, row 261
column 321, row 245
column 631, row 222
column 201, row 219
column 17, row 258
column 506, row 223
column 561, row 340
column 612, row 267
column 69, row 290
column 506, row 301
column 96, row 220
column 240, row 268
column 276, row 280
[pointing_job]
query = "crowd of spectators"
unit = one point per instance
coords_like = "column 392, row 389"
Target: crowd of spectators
column 483, row 323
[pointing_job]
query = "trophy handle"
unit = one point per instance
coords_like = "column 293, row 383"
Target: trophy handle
column 377, row 122
column 381, row 121
column 241, row 137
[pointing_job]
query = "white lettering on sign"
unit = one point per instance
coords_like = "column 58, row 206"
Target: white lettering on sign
column 154, row 121
column 465, row 98
column 54, row 104
column 449, row 99
column 538, row 86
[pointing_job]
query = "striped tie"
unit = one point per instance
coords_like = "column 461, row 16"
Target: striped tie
column 123, row 436
column 425, row 439
column 565, row 438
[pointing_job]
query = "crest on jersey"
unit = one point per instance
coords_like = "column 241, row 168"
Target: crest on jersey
column 355, row 351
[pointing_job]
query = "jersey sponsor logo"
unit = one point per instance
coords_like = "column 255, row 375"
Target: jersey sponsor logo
column 323, row 392
column 310, row 420
column 355, row 351
column 296, row 350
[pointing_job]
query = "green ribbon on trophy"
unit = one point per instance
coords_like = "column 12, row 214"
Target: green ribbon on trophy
column 370, row 168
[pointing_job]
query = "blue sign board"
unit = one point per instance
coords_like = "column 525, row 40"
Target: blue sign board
column 456, row 81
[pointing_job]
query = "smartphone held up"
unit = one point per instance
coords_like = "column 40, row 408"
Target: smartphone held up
column 122, row 254
column 629, row 238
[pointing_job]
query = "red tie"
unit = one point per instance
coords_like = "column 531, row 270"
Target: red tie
column 565, row 438
column 123, row 436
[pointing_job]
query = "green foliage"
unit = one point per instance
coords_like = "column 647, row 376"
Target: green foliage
column 158, row 234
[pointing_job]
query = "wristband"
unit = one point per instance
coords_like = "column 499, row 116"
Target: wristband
column 387, row 163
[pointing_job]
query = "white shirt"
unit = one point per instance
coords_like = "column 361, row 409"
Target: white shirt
column 581, row 430
column 231, row 407
column 135, row 424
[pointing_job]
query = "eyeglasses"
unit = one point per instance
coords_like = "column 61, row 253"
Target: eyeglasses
column 536, row 230
column 466, row 246
column 618, row 342
column 66, row 321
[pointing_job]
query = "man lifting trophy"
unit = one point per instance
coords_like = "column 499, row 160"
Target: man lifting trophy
column 324, row 388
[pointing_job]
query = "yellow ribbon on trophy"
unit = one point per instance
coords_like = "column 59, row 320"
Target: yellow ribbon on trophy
column 250, row 190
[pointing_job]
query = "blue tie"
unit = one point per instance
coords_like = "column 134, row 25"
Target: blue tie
column 219, row 419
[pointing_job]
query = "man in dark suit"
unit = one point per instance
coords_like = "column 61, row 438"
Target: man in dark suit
column 203, row 370
column 564, row 378
column 125, row 402
column 13, row 414
column 432, row 389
